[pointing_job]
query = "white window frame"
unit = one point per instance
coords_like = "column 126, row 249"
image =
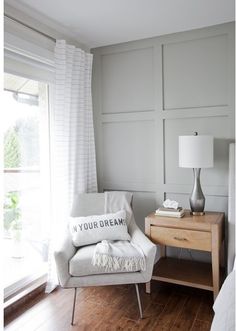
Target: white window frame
column 26, row 59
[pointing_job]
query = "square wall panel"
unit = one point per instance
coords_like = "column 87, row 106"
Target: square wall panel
column 129, row 153
column 127, row 81
column 195, row 73
column 218, row 127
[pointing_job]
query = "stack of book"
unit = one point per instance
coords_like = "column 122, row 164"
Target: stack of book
column 170, row 212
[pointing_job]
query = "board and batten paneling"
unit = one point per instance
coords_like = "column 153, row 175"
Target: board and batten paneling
column 195, row 73
column 148, row 92
column 127, row 81
column 125, row 164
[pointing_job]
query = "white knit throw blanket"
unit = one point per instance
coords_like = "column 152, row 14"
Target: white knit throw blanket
column 119, row 255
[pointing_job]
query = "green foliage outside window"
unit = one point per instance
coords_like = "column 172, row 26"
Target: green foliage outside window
column 12, row 212
column 12, row 155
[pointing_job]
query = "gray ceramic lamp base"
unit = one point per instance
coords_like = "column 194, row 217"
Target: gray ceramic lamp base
column 197, row 199
column 197, row 213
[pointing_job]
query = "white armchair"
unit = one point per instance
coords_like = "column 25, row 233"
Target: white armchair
column 74, row 266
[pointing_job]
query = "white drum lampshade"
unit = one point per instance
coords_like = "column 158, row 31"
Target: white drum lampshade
column 196, row 152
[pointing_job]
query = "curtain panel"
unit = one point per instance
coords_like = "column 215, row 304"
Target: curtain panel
column 73, row 162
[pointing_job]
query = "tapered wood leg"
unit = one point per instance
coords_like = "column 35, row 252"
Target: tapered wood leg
column 215, row 261
column 162, row 254
column 148, row 287
column 148, row 234
column 162, row 251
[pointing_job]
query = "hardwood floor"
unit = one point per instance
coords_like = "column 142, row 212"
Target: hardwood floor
column 109, row 308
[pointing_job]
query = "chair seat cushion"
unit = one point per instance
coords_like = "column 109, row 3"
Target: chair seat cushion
column 80, row 264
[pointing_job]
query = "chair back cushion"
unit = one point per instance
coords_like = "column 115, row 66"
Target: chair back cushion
column 85, row 204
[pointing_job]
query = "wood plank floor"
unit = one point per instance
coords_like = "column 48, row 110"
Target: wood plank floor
column 108, row 308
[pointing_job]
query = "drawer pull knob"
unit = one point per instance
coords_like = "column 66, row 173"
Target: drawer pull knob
column 180, row 239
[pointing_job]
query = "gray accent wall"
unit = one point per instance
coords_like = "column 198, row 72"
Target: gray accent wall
column 148, row 92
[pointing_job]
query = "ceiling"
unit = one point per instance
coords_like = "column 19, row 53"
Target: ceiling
column 103, row 22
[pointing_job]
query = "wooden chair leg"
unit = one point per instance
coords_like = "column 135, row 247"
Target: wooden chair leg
column 73, row 309
column 139, row 301
column 148, row 287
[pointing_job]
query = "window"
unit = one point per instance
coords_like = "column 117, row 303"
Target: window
column 26, row 180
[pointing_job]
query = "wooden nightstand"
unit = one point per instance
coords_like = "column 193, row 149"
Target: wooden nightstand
column 204, row 233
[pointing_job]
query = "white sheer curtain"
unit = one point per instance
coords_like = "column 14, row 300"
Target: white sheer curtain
column 73, row 164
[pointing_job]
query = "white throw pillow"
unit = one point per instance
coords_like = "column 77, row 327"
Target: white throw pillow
column 93, row 229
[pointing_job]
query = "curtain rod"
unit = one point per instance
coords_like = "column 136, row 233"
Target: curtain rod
column 30, row 27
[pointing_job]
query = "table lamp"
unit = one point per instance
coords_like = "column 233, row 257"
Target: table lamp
column 196, row 152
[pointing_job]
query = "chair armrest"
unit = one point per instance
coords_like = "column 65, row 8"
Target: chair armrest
column 63, row 253
column 140, row 239
column 148, row 248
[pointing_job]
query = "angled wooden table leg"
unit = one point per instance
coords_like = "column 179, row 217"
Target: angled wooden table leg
column 162, row 251
column 215, row 253
column 148, row 288
column 148, row 234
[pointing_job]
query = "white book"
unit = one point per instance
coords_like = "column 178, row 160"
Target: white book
column 177, row 214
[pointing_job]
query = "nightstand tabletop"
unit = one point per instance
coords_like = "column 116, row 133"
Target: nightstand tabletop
column 188, row 221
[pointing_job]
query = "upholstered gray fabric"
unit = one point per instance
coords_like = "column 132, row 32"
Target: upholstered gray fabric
column 64, row 251
column 80, row 264
column 64, row 254
column 88, row 204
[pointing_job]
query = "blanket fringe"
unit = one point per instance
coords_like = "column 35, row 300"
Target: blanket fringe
column 113, row 263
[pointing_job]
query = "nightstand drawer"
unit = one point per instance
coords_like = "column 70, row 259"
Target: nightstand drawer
column 181, row 238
